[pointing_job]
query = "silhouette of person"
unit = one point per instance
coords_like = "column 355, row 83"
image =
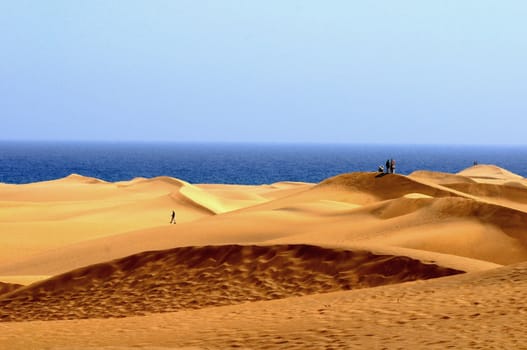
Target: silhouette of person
column 388, row 166
column 392, row 166
column 173, row 219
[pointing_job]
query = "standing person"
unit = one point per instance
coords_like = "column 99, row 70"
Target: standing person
column 388, row 166
column 392, row 166
column 173, row 219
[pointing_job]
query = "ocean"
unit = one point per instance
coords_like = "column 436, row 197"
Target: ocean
column 237, row 163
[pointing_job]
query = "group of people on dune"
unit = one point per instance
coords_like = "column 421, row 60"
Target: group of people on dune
column 390, row 167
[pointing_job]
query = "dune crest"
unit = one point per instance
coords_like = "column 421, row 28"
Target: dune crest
column 197, row 277
column 440, row 178
column 141, row 181
column 8, row 287
column 488, row 171
column 383, row 186
column 83, row 179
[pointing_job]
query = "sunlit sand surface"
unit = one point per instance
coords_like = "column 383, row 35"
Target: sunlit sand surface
column 365, row 260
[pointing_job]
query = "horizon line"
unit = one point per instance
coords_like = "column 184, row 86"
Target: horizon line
column 358, row 143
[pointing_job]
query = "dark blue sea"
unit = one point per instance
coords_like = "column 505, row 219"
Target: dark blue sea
column 237, row 163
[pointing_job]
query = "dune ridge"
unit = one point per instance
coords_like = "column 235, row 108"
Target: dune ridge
column 8, row 287
column 489, row 172
column 197, row 277
column 383, row 186
column 440, row 178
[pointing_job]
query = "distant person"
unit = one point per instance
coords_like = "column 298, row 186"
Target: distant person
column 392, row 166
column 173, row 218
column 475, row 162
column 388, row 166
column 380, row 169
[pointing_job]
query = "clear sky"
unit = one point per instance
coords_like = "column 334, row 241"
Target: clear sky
column 271, row 71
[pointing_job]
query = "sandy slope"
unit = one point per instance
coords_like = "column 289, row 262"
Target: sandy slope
column 40, row 217
column 489, row 173
column 360, row 227
column 198, row 277
column 482, row 310
column 8, row 287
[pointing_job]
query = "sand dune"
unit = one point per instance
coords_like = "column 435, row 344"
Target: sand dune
column 346, row 209
column 510, row 194
column 279, row 265
column 41, row 217
column 382, row 186
column 459, row 227
column 197, row 277
column 440, row 178
column 468, row 311
column 8, row 287
column 489, row 173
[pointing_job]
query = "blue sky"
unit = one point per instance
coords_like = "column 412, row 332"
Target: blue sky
column 269, row 71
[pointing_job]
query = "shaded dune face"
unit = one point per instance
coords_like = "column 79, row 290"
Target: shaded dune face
column 512, row 222
column 440, row 178
column 382, row 186
column 514, row 192
column 8, row 287
column 198, row 277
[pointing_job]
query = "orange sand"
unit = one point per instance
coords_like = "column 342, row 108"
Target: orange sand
column 287, row 265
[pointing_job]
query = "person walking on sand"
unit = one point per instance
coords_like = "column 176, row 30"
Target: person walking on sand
column 392, row 166
column 173, row 219
column 388, row 166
